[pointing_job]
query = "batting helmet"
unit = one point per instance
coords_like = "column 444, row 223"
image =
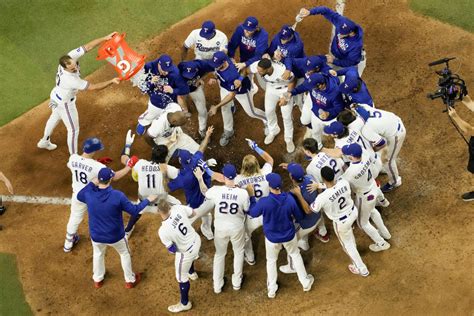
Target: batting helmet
column 92, row 144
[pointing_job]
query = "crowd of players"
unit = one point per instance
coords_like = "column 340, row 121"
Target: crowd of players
column 333, row 100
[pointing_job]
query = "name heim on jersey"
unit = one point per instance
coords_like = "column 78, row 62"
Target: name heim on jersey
column 227, row 196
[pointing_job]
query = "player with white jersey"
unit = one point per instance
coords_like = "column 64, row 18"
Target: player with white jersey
column 83, row 169
column 63, row 96
column 231, row 205
column 166, row 130
column 180, row 238
column 252, row 174
column 337, row 204
column 360, row 176
column 275, row 87
column 319, row 160
column 205, row 41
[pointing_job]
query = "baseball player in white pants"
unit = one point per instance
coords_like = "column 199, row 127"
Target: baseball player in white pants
column 205, row 41
column 180, row 238
column 63, row 96
column 308, row 117
column 275, row 87
column 337, row 203
column 231, row 204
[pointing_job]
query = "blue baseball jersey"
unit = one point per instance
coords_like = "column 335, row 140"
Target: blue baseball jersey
column 251, row 49
column 204, row 67
column 348, row 50
column 227, row 77
column 291, row 49
column 329, row 100
column 297, row 66
column 159, row 98
column 307, row 220
column 188, row 182
column 105, row 207
column 362, row 96
column 278, row 212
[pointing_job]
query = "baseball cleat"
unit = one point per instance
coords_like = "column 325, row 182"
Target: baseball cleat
column 387, row 187
column 206, row 232
column 307, row 288
column 193, row 276
column 383, row 203
column 469, row 196
column 290, row 147
column 225, row 138
column 303, row 245
column 99, row 284
column 46, row 144
column 237, row 288
column 272, row 294
column 75, row 240
column 355, row 270
column 286, row 269
column 180, row 307
column 385, row 234
column 269, row 139
column 377, row 248
column 249, row 262
column 321, row 238
column 131, row 285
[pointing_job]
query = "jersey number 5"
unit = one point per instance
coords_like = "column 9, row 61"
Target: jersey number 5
column 224, row 206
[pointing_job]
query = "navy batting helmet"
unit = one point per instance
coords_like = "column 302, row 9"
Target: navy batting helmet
column 92, row 144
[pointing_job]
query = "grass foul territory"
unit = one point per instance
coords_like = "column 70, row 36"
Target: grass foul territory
column 34, row 34
column 12, row 299
column 449, row 11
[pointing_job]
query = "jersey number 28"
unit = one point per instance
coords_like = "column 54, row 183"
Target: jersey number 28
column 232, row 207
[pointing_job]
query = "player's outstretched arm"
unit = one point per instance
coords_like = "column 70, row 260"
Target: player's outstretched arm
column 465, row 127
column 202, row 185
column 227, row 99
column 206, row 139
column 103, row 85
column 94, row 43
column 262, row 153
column 7, row 182
column 296, row 190
column 467, row 101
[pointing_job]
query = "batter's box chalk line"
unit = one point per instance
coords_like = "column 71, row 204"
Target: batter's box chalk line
column 36, row 199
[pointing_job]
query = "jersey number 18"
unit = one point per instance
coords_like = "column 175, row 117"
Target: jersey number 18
column 81, row 176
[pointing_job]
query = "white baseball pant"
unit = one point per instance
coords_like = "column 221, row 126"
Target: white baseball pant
column 299, row 98
column 184, row 260
column 66, row 112
column 204, row 212
column 394, row 144
column 151, row 113
column 251, row 224
column 153, row 208
column 199, row 99
column 222, row 237
column 366, row 204
column 272, row 95
column 182, row 141
column 272, row 251
column 317, row 125
column 78, row 209
column 343, row 230
column 98, row 264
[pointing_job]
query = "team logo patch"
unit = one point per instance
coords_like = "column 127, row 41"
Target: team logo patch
column 249, row 24
column 346, row 86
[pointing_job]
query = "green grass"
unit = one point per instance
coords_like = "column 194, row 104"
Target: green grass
column 455, row 12
column 35, row 33
column 12, row 299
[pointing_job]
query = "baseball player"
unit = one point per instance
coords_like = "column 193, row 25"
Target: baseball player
column 336, row 202
column 166, row 130
column 84, row 169
column 347, row 47
column 275, row 87
column 164, row 86
column 353, row 87
column 360, row 176
column 105, row 206
column 180, row 238
column 252, row 174
column 252, row 41
column 191, row 185
column 205, row 41
column 63, row 96
column 384, row 128
column 231, row 205
column 193, row 72
column 286, row 44
column 278, row 210
column 233, row 85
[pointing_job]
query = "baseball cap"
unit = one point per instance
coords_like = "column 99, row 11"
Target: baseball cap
column 218, row 59
column 165, row 62
column 351, row 81
column 353, row 149
column 274, row 180
column 189, row 69
column 316, row 79
column 185, row 156
column 250, row 24
column 296, row 171
column 347, row 27
column 92, row 144
column 105, row 174
column 286, row 32
column 335, row 128
column 229, row 171
column 312, row 62
column 208, row 29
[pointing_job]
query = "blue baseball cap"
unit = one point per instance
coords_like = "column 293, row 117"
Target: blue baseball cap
column 92, row 144
column 313, row 62
column 189, row 69
column 347, row 27
column 316, row 79
column 250, row 24
column 208, row 29
column 274, row 180
column 286, row 32
column 105, row 174
column 229, row 171
column 353, row 150
column 185, row 156
column 296, row 171
column 218, row 59
column 335, row 128
column 350, row 83
column 165, row 62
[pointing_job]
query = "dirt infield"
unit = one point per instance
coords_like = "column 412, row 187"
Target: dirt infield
column 427, row 270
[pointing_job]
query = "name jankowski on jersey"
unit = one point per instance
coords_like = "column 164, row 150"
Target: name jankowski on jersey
column 252, row 180
column 232, row 197
column 81, row 166
column 338, row 193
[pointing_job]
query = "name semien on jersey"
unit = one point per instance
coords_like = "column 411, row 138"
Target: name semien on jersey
column 338, row 193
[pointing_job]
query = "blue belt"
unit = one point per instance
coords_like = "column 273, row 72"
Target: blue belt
column 399, row 127
column 57, row 96
column 345, row 216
